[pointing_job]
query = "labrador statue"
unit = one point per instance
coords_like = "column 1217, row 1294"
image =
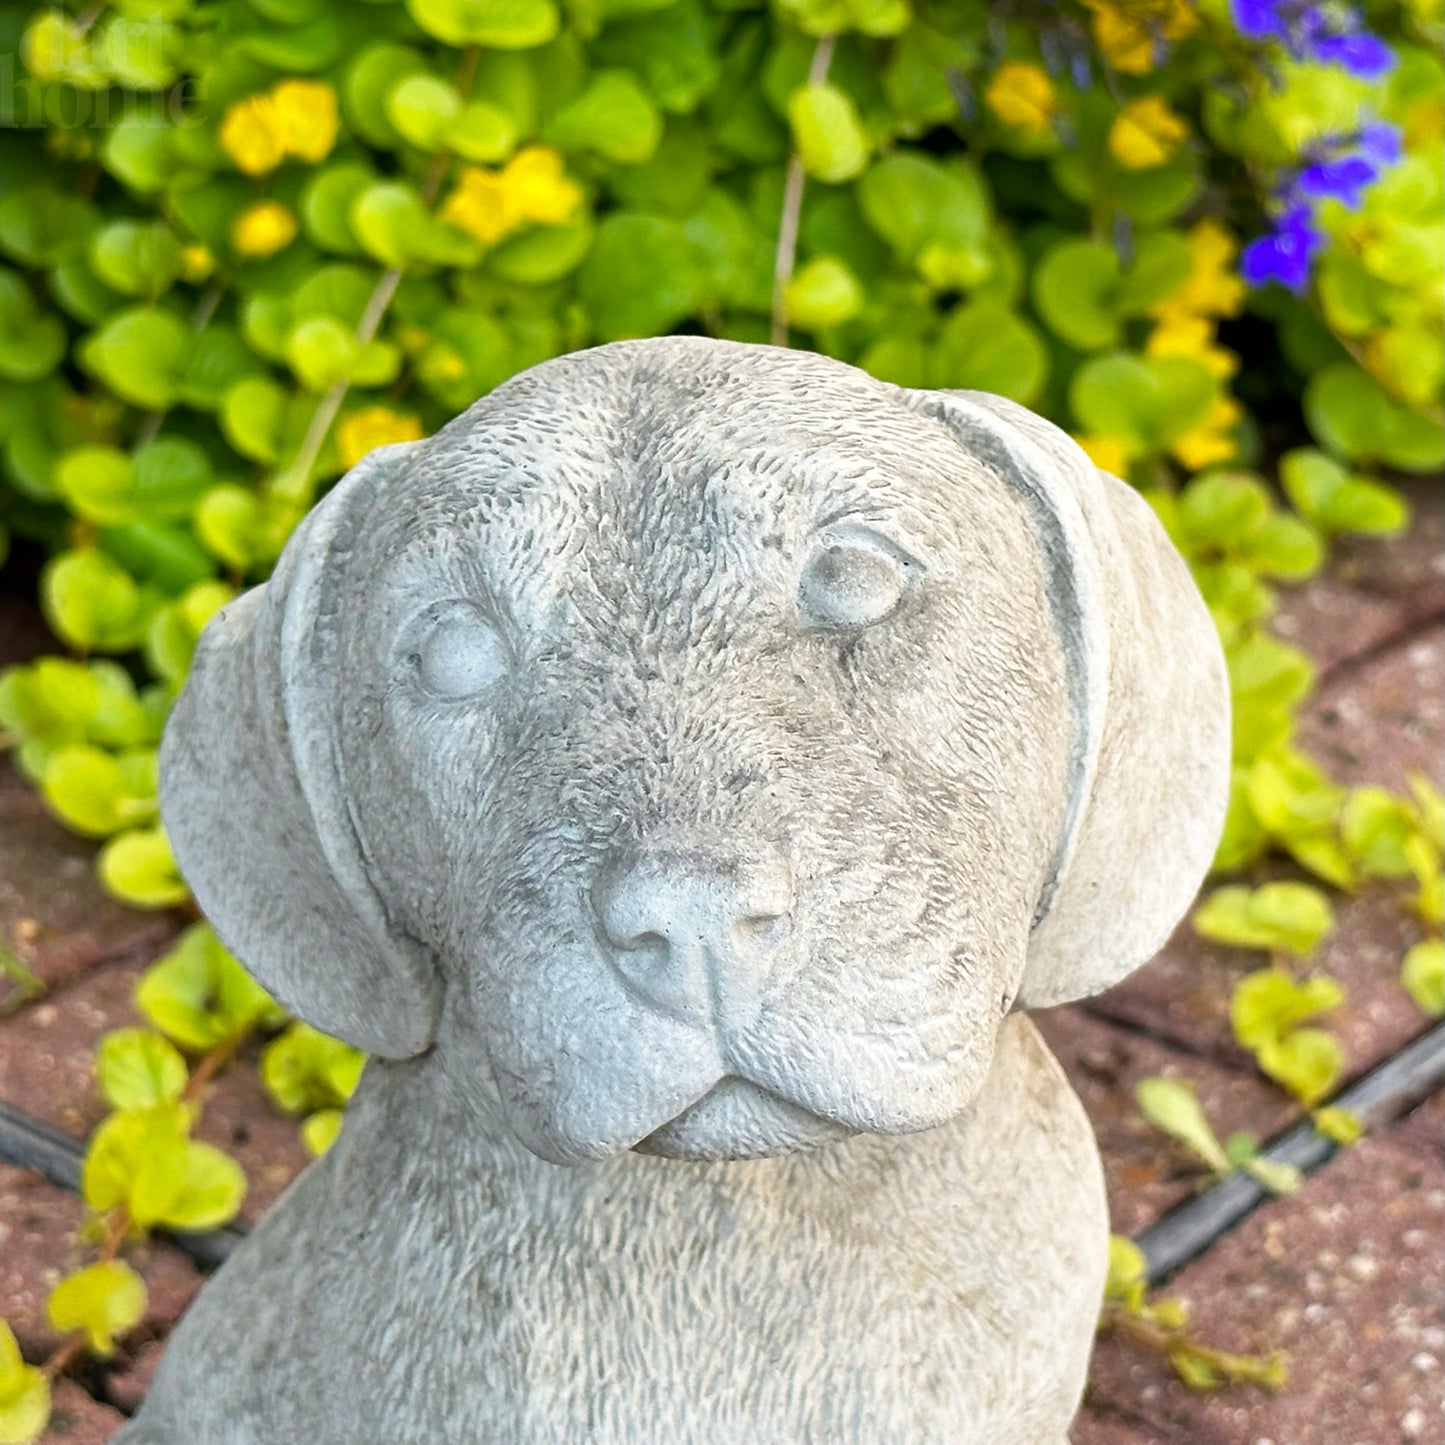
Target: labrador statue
column 680, row 773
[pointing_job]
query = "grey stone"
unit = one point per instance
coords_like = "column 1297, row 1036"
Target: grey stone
column 677, row 772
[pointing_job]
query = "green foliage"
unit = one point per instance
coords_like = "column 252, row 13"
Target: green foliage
column 1163, row 1325
column 1266, row 1012
column 143, row 1161
column 1172, row 1106
column 24, row 1394
column 1292, row 917
column 200, row 997
column 305, row 1072
column 136, row 1068
column 1423, row 975
column 103, row 1300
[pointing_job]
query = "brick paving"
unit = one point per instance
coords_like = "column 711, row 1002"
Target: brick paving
column 1347, row 1276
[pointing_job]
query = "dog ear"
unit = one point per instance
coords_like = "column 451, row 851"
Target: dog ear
column 252, row 796
column 1149, row 746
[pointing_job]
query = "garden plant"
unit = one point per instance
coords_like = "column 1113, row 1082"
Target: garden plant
column 242, row 242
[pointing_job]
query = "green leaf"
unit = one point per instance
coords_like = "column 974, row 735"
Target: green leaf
column 136, row 258
column 1268, row 1004
column 1290, row 795
column 327, row 201
column 422, row 107
column 319, row 1130
column 495, row 24
column 142, row 1160
column 1307, row 1062
column 43, row 226
column 822, row 294
column 1291, row 916
column 986, row 346
column 1352, row 414
column 1376, row 827
column 103, row 1300
column 32, row 343
column 92, row 603
column 828, row 133
column 913, row 202
column 613, row 117
column 137, row 868
column 640, row 278
column 1144, row 402
column 1128, row 1273
column 1423, row 976
column 1323, row 491
column 1338, row 1124
column 24, row 1394
column 140, row 354
column 393, row 224
column 1172, row 1106
column 1074, row 288
column 136, row 1068
column 483, row 132
column 1276, row 1177
column 98, row 794
column 199, row 996
column 304, row 1070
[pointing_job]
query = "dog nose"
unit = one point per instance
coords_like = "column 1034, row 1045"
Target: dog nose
column 695, row 933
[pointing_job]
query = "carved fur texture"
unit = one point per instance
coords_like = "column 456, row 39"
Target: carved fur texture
column 678, row 772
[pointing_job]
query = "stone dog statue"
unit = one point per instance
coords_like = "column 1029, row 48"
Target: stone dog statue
column 678, row 773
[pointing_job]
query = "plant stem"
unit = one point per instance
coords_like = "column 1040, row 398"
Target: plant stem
column 787, row 252
column 296, row 483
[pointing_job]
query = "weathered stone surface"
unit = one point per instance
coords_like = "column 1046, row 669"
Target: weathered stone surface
column 54, row 918
column 77, row 1419
column 1146, row 1173
column 39, row 1242
column 1348, row 1278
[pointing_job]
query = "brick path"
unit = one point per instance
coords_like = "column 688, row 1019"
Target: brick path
column 1348, row 1275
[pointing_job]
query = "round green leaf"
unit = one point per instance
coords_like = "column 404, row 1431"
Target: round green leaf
column 103, row 1300
column 140, row 354
column 136, row 1068
column 497, row 24
column 640, row 278
column 828, row 132
column 138, row 869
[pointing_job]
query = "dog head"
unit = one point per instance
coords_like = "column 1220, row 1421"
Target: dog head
column 704, row 746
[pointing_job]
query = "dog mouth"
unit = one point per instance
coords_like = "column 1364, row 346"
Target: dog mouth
column 738, row 1119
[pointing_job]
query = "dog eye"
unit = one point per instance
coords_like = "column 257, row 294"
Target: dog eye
column 457, row 653
column 852, row 581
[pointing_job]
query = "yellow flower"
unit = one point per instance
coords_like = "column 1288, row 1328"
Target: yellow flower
column 1146, row 133
column 1210, row 440
column 1107, row 453
column 250, row 134
column 1022, row 94
column 532, row 189
column 263, row 229
column 541, row 188
column 1211, row 288
column 196, row 262
column 306, row 118
column 370, row 427
column 1127, row 31
column 479, row 205
column 1181, row 333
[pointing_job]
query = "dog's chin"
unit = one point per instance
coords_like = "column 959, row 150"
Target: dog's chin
column 737, row 1119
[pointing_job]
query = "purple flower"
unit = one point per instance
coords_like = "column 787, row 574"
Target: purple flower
column 1381, row 142
column 1286, row 255
column 1342, row 179
column 1260, row 19
column 1366, row 57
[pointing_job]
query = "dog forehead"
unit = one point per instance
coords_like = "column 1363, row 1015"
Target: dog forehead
column 639, row 451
